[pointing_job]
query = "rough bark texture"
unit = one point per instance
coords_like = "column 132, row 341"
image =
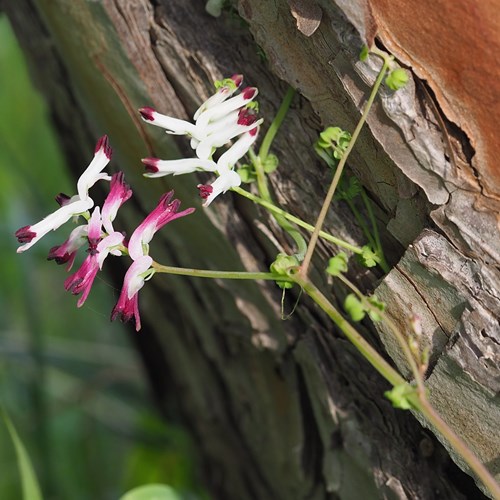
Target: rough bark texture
column 289, row 410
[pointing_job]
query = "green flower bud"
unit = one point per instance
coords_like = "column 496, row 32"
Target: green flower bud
column 397, row 79
column 281, row 266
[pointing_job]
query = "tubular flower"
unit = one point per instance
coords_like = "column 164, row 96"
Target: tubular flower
column 29, row 235
column 166, row 211
column 93, row 172
column 69, row 206
column 217, row 120
column 127, row 306
column 66, row 252
column 82, row 280
column 119, row 193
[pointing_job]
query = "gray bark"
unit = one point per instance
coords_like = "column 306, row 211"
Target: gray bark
column 288, row 409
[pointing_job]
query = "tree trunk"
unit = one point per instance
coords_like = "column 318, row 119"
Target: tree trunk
column 290, row 410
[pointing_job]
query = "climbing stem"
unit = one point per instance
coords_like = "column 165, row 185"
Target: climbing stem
column 206, row 273
column 418, row 399
column 275, row 125
column 299, row 222
column 258, row 162
column 338, row 172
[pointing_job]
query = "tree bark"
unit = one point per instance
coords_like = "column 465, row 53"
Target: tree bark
column 289, row 410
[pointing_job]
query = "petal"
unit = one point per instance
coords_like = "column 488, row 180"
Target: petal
column 226, row 107
column 224, row 182
column 119, row 193
column 220, row 96
column 107, row 245
column 93, row 172
column 159, row 168
column 31, row 234
column 205, row 147
column 172, row 125
column 237, row 150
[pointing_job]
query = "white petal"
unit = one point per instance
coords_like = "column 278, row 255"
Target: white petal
column 133, row 276
column 204, row 149
column 224, row 182
column 223, row 109
column 183, row 166
column 92, row 174
column 57, row 219
column 236, row 151
column 106, row 245
column 172, row 125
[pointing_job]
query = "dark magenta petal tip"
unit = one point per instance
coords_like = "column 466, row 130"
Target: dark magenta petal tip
column 147, row 113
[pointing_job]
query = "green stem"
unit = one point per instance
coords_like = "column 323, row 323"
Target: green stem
column 206, row 273
column 276, row 124
column 296, row 220
column 395, row 331
column 419, row 400
column 362, row 223
column 329, row 196
column 378, row 244
column 374, row 358
column 460, row 447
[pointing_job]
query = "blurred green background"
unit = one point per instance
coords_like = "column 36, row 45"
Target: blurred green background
column 69, row 379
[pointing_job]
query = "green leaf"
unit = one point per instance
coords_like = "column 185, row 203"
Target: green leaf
column 363, row 55
column 397, row 79
column 379, row 305
column 29, row 482
column 330, row 136
column 227, row 82
column 152, row 492
column 354, row 307
column 399, row 396
column 247, row 174
column 337, row 264
column 349, row 188
column 368, row 258
column 281, row 266
column 271, row 163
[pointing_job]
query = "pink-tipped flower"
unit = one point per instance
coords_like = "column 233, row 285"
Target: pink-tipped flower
column 227, row 180
column 227, row 89
column 217, row 121
column 166, row 211
column 127, row 306
column 93, row 172
column 66, row 252
column 119, row 193
column 29, row 235
column 82, row 280
column 158, row 168
column 172, row 125
column 237, row 151
column 223, row 109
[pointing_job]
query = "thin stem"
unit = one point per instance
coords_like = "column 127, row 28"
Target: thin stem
column 395, row 331
column 374, row 358
column 296, row 220
column 329, row 196
column 282, row 221
column 378, row 244
column 362, row 223
column 275, row 125
column 419, row 400
column 207, row 273
column 460, row 447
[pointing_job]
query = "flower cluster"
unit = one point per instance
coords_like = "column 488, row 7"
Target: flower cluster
column 100, row 237
column 220, row 119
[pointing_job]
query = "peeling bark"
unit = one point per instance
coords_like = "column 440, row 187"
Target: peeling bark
column 289, row 409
